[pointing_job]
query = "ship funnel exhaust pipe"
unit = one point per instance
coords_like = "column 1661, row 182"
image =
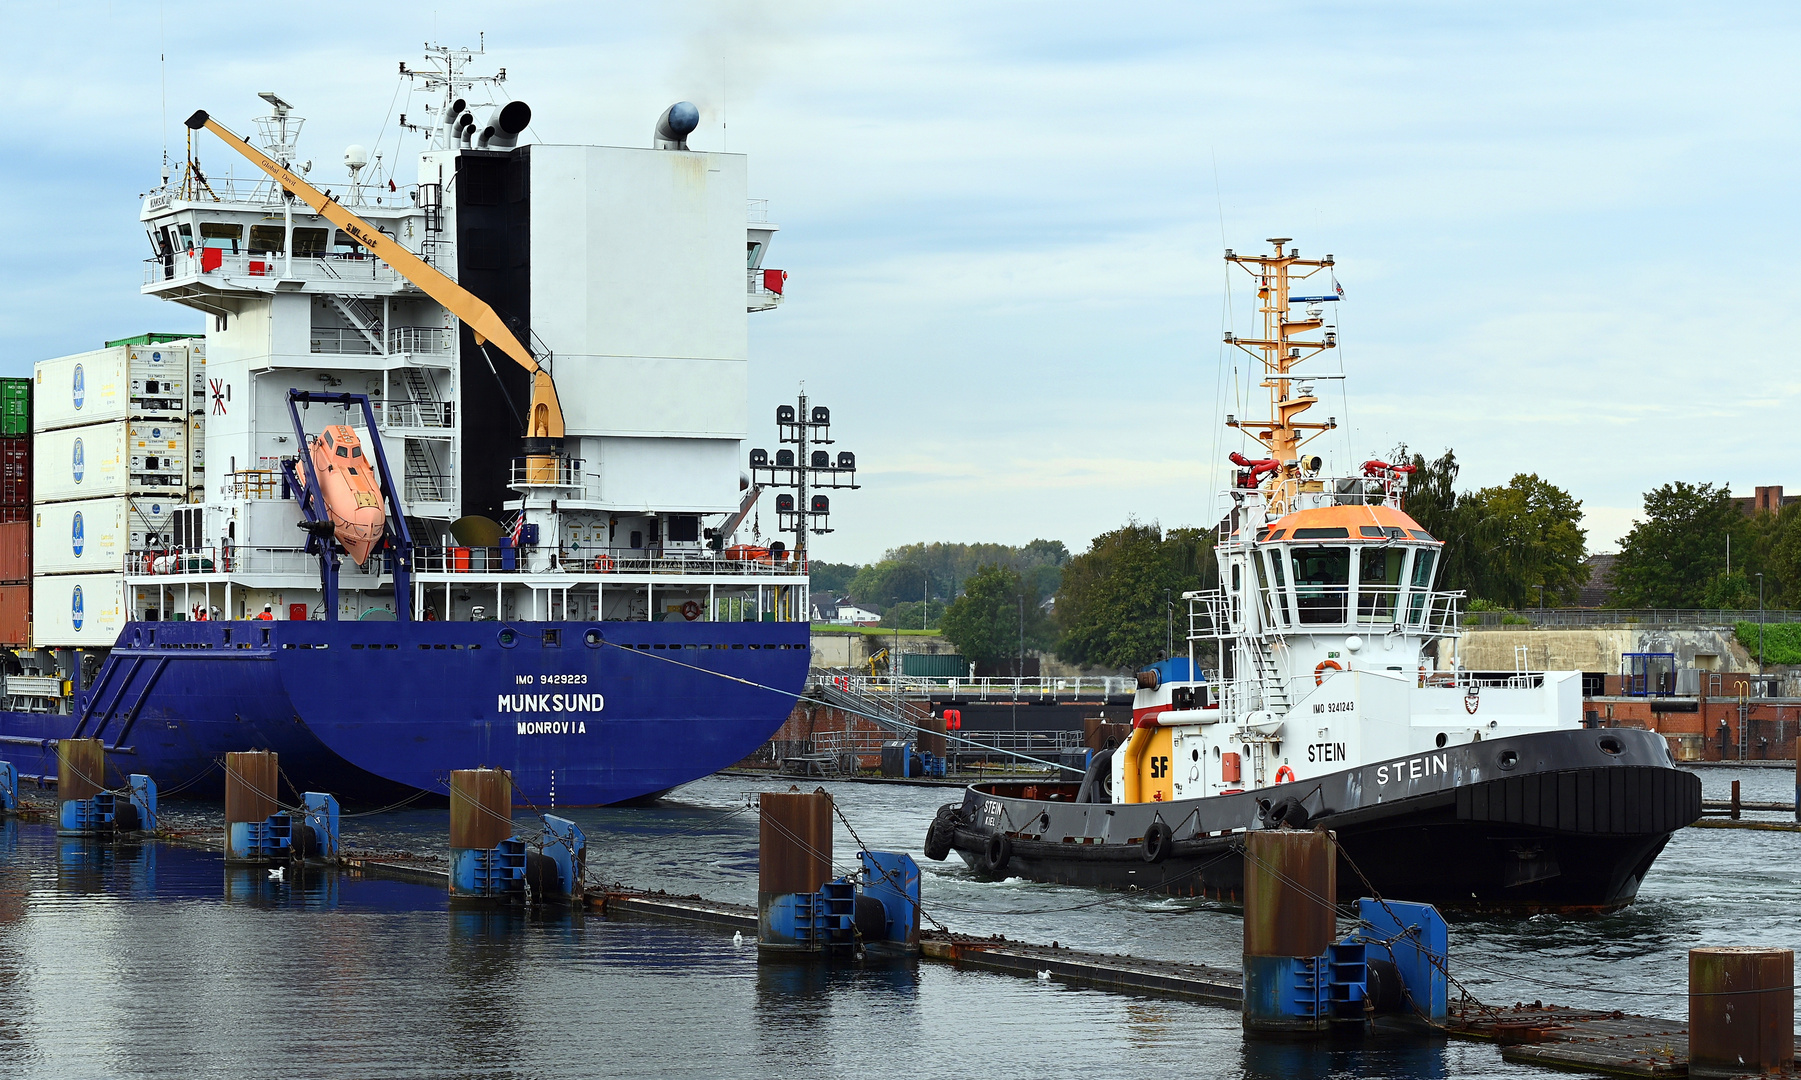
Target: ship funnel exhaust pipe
column 504, row 126
column 675, row 125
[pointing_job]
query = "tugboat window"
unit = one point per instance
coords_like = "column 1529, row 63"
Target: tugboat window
column 1423, row 559
column 267, row 239
column 1322, row 578
column 215, row 234
column 1378, row 581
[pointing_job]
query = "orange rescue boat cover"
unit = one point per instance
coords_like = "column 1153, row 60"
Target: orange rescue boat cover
column 351, row 490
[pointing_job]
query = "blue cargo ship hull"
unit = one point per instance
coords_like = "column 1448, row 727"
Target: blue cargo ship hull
column 582, row 713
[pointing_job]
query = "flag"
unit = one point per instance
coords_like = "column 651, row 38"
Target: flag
column 1339, row 287
column 518, row 528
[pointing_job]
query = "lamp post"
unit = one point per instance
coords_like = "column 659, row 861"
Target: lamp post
column 1760, row 624
column 1169, row 629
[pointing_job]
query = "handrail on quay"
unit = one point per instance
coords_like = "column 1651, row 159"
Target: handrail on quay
column 981, row 689
column 1540, row 618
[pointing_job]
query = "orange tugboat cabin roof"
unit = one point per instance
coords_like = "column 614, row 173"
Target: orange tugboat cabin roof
column 1371, row 523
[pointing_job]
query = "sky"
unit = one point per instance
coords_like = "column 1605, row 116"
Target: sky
column 1561, row 229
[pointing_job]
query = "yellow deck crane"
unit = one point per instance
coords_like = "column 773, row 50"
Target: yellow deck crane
column 544, row 422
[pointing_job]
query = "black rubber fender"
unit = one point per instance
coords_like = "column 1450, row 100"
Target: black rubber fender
column 305, row 842
column 1097, row 779
column 125, row 817
column 542, row 875
column 941, row 833
column 1385, row 991
column 871, row 918
column 1159, row 841
column 996, row 854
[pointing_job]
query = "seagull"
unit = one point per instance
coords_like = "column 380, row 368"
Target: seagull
column 737, row 937
column 276, row 874
column 1045, row 975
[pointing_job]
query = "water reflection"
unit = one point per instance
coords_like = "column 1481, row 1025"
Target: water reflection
column 86, row 866
column 308, row 888
column 1289, row 1059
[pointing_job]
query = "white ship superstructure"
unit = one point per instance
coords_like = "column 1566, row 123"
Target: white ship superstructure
column 629, row 271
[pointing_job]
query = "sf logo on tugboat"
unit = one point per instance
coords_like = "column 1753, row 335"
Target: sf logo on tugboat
column 1159, row 768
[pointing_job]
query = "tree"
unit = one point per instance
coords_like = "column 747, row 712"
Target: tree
column 996, row 618
column 907, row 573
column 1521, row 536
column 1113, row 607
column 1672, row 557
column 830, row 579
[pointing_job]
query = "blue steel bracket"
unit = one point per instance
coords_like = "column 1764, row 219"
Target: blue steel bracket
column 9, row 788
column 322, row 819
column 565, row 845
column 496, row 873
column 271, row 838
column 143, row 797
column 1416, row 938
column 892, row 878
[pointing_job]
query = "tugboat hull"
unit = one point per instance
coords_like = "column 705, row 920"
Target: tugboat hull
column 1565, row 821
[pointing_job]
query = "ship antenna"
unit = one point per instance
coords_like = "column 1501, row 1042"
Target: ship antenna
column 162, row 57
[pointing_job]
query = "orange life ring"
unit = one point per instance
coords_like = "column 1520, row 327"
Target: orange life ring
column 604, row 564
column 1284, row 775
column 691, row 610
column 1319, row 671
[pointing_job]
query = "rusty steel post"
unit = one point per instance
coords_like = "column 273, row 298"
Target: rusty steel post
column 1290, row 912
column 931, row 735
column 794, row 851
column 481, row 808
column 250, row 785
column 1798, row 779
column 1741, row 1011
column 80, row 769
column 1735, row 800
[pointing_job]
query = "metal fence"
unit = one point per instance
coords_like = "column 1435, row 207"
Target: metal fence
column 983, row 689
column 1557, row 618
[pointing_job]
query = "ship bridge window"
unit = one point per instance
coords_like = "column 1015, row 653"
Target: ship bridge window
column 1421, row 534
column 309, row 242
column 1322, row 580
column 753, row 252
column 344, row 245
column 267, row 239
column 1378, row 583
column 1418, row 598
column 1322, row 534
column 217, row 234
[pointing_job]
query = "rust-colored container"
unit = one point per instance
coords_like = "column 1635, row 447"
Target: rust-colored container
column 80, row 769
column 481, row 808
column 794, row 843
column 15, row 551
column 15, row 614
column 1098, row 734
column 250, row 778
column 1290, row 893
column 1741, row 1011
column 931, row 735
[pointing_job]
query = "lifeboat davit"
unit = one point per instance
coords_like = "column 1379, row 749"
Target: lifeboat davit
column 351, row 490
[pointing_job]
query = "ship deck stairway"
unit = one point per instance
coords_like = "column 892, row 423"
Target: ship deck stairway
column 363, row 318
column 1269, row 678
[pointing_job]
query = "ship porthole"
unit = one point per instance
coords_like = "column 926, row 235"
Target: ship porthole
column 1197, row 755
column 1611, row 745
column 508, row 639
column 1508, row 759
column 1441, row 740
column 592, row 639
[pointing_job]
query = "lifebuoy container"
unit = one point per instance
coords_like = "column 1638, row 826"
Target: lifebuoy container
column 603, row 565
column 1285, row 775
column 953, row 719
column 1319, row 670
column 1159, row 841
column 996, row 854
column 691, row 610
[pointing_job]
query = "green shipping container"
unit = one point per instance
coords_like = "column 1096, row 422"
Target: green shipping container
column 934, row 666
column 15, row 407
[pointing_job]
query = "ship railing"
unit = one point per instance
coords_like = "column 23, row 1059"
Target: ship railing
column 557, row 472
column 1303, row 608
column 204, row 262
column 421, row 340
column 467, row 559
column 341, row 341
column 756, row 211
column 416, row 414
column 757, row 282
column 981, row 689
column 255, row 485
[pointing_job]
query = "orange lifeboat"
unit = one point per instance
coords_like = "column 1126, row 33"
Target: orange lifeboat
column 351, row 490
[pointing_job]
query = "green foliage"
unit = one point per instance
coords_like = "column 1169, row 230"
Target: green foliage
column 1781, row 641
column 830, row 579
column 1502, row 542
column 1479, row 604
column 913, row 572
column 1672, row 558
column 907, row 614
column 997, row 617
column 1732, row 592
column 1114, row 606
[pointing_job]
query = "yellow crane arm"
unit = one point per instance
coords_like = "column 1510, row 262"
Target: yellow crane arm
column 546, row 419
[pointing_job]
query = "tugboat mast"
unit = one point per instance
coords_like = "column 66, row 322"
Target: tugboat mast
column 1280, row 351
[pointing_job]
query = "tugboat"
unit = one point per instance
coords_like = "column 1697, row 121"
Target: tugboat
column 1341, row 703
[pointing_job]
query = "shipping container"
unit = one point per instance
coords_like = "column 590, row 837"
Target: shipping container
column 934, row 666
column 15, row 407
column 15, row 550
column 140, row 457
column 110, row 384
column 15, row 615
column 15, row 472
column 69, row 610
column 98, row 535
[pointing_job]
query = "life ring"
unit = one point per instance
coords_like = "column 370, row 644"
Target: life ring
column 1319, row 671
column 1285, row 775
column 691, row 610
column 1159, row 839
column 603, row 565
column 996, row 854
